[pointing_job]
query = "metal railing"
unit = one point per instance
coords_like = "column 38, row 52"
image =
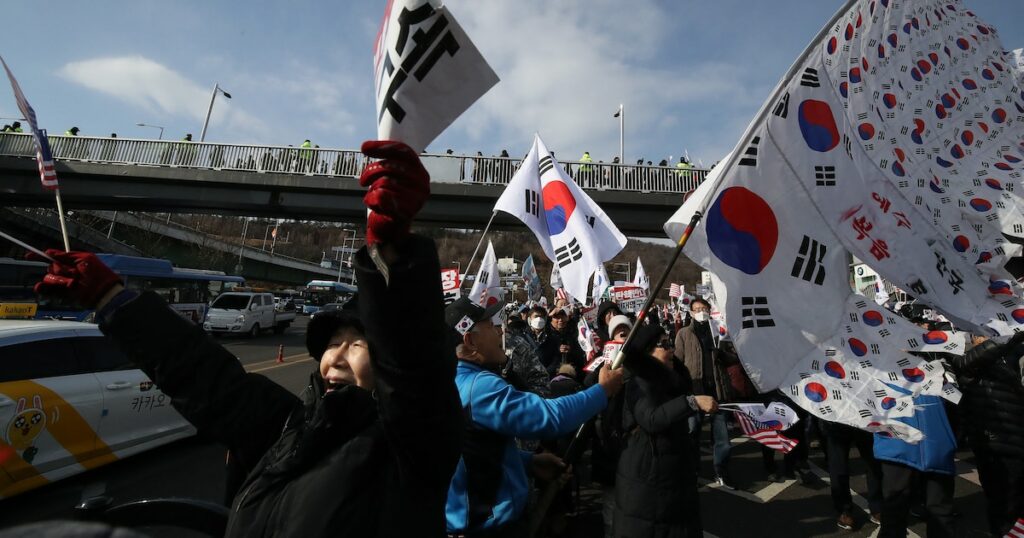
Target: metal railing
column 339, row 162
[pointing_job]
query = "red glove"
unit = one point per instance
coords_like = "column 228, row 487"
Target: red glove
column 399, row 186
column 80, row 276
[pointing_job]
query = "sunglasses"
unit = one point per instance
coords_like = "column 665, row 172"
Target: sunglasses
column 665, row 345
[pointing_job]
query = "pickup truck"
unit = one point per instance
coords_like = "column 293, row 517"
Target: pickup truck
column 246, row 313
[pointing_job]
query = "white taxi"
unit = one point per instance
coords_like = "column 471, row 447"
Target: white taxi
column 71, row 401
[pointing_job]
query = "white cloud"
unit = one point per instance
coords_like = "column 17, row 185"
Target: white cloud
column 571, row 63
column 149, row 85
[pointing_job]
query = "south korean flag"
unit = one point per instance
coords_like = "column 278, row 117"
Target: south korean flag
column 574, row 232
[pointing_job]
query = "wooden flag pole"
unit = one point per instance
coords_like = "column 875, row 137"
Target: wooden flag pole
column 63, row 223
column 617, row 363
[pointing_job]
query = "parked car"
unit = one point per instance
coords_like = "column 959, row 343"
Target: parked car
column 246, row 313
column 71, row 401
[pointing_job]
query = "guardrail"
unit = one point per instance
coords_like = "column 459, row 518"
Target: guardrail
column 339, row 162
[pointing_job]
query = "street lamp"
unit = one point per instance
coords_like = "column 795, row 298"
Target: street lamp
column 216, row 88
column 161, row 137
column 621, row 114
column 241, row 246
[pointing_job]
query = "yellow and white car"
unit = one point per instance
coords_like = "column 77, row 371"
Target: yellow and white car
column 71, row 401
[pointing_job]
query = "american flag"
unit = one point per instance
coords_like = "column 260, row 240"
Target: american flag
column 562, row 294
column 1017, row 531
column 763, row 423
column 47, row 173
column 763, row 434
column 675, row 290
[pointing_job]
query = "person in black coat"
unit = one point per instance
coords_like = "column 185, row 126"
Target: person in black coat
column 656, row 482
column 370, row 447
column 992, row 408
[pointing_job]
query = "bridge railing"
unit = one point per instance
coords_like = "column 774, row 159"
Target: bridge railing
column 339, row 162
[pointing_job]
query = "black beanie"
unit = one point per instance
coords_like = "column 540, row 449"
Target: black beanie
column 325, row 325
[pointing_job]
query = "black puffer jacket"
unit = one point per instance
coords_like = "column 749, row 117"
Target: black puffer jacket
column 656, row 483
column 352, row 462
column 993, row 398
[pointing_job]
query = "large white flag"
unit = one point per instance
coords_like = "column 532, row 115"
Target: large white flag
column 782, row 280
column 426, row 72
column 574, row 232
column 641, row 279
column 487, row 288
column 904, row 127
column 601, row 284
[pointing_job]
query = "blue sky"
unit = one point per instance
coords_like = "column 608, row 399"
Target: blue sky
column 690, row 74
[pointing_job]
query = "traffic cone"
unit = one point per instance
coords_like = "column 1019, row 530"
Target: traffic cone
column 280, row 353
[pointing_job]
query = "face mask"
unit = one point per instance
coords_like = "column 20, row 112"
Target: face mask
column 700, row 317
column 537, row 323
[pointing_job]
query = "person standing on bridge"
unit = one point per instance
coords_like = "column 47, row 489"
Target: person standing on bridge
column 370, row 448
column 306, row 157
column 13, row 128
column 75, row 148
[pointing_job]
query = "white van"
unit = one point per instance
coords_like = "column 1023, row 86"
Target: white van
column 245, row 312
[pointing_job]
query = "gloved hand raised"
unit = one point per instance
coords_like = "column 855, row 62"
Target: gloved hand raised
column 79, row 276
column 399, row 186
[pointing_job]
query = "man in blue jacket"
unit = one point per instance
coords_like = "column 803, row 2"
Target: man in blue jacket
column 490, row 489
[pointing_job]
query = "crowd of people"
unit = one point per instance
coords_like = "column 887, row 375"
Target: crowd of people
column 446, row 424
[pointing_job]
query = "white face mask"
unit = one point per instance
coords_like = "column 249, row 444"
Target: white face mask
column 537, row 323
column 700, row 317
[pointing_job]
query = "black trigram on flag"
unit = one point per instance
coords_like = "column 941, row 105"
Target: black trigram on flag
column 904, row 362
column 836, row 394
column 913, row 343
column 532, row 202
column 810, row 78
column 567, row 254
column 825, row 176
column 864, row 413
column 755, row 312
column 750, row 154
column 544, row 165
column 782, row 108
column 808, row 264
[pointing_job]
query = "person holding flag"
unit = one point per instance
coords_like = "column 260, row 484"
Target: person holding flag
column 656, row 480
column 377, row 431
column 489, row 491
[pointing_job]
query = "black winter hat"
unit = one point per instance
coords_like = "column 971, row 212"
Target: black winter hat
column 325, row 325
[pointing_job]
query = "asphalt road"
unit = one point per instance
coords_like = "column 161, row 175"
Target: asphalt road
column 193, row 468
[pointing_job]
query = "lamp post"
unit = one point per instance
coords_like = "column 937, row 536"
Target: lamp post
column 621, row 114
column 161, row 137
column 266, row 233
column 245, row 228
column 216, row 88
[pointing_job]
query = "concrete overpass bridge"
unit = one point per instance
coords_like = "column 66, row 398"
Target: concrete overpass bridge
column 310, row 184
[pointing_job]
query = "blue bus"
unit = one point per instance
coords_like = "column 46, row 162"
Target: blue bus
column 189, row 291
column 321, row 292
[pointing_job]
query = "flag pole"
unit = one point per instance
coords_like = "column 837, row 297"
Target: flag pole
column 481, row 241
column 63, row 224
